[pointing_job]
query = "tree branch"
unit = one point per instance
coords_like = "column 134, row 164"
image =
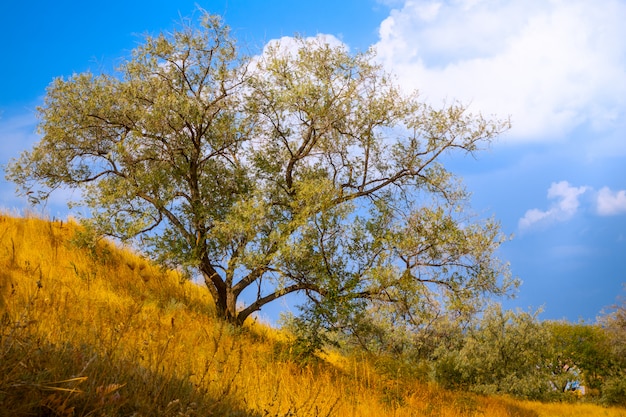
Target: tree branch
column 260, row 302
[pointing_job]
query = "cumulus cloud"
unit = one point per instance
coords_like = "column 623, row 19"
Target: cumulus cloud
column 609, row 202
column 552, row 65
column 288, row 45
column 567, row 203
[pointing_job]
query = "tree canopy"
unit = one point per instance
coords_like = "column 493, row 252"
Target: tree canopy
column 304, row 169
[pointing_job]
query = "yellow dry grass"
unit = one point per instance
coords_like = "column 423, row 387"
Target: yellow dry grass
column 571, row 410
column 101, row 332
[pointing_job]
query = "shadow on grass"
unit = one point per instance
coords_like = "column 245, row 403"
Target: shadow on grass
column 517, row 411
column 39, row 379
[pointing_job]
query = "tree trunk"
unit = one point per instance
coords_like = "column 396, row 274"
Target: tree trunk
column 231, row 307
column 223, row 295
column 227, row 309
column 226, row 305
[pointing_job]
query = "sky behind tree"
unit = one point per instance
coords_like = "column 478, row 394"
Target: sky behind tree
column 556, row 181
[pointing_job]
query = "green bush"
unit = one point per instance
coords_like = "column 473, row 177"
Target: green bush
column 614, row 390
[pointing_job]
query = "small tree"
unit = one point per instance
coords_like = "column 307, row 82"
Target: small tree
column 585, row 348
column 506, row 352
column 613, row 323
column 300, row 171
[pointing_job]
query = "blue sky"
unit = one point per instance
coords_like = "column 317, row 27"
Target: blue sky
column 556, row 181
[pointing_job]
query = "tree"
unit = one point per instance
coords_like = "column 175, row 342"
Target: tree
column 613, row 323
column 302, row 170
column 583, row 347
column 506, row 352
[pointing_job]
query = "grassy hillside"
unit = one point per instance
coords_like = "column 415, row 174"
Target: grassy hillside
column 95, row 330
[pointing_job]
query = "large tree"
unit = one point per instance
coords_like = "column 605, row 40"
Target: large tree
column 302, row 170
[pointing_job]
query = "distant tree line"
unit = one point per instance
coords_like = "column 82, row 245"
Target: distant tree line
column 510, row 352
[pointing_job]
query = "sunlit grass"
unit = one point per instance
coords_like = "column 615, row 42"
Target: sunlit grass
column 571, row 410
column 95, row 331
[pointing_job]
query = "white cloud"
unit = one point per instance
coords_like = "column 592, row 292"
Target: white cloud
column 533, row 216
column 565, row 208
column 552, row 65
column 290, row 45
column 610, row 202
column 606, row 202
column 568, row 204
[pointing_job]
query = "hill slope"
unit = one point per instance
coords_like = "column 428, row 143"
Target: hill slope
column 90, row 329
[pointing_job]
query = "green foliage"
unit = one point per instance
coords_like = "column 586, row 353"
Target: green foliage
column 309, row 337
column 614, row 390
column 614, row 324
column 505, row 353
column 514, row 353
column 581, row 346
column 303, row 170
column 613, row 375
